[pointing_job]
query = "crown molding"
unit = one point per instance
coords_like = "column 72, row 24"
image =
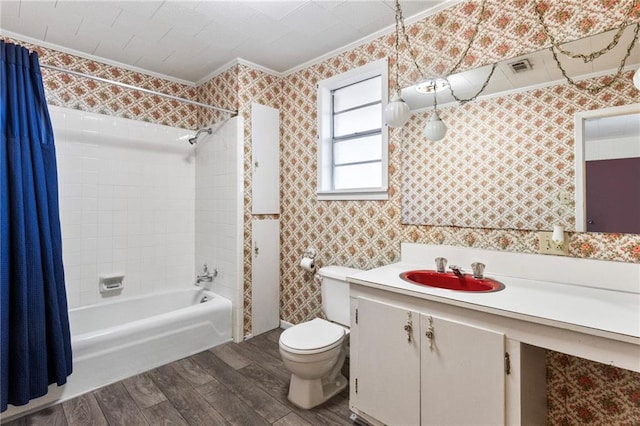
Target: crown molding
column 90, row 57
column 388, row 30
column 233, row 63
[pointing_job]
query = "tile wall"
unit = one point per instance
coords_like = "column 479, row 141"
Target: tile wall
column 218, row 208
column 127, row 201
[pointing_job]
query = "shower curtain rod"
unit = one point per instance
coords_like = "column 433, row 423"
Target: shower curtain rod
column 140, row 89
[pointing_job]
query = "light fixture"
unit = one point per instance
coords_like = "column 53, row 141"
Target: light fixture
column 435, row 129
column 433, row 85
column 636, row 79
column 397, row 113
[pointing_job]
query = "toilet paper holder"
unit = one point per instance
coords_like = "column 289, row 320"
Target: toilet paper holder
column 310, row 253
column 308, row 262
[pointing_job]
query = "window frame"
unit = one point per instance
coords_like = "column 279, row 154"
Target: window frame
column 325, row 189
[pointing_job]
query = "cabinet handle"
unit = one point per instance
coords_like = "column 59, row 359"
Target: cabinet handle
column 409, row 327
column 256, row 251
column 430, row 333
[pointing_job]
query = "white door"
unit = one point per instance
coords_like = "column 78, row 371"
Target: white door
column 388, row 362
column 462, row 375
column 265, row 276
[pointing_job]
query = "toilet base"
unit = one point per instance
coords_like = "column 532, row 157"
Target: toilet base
column 307, row 394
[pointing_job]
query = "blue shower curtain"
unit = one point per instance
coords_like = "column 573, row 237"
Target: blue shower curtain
column 36, row 346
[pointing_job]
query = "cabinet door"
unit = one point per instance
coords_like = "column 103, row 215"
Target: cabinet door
column 387, row 363
column 265, row 146
column 265, row 275
column 463, row 377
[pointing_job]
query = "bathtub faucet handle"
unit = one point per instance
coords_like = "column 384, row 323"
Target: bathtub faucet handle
column 205, row 269
column 206, row 275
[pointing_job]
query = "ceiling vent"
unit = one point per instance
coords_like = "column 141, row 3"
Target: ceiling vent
column 523, row 65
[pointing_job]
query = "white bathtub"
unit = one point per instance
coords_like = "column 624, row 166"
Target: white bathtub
column 115, row 340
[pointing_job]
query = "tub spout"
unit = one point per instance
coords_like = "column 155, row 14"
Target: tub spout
column 457, row 270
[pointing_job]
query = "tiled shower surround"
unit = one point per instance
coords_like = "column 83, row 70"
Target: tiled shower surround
column 368, row 234
column 127, row 204
column 218, row 209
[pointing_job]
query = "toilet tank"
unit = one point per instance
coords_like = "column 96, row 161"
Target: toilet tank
column 335, row 293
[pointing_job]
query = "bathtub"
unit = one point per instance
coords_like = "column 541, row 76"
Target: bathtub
column 119, row 339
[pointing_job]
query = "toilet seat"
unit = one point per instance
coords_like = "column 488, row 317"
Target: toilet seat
column 312, row 337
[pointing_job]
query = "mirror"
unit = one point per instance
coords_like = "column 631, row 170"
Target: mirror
column 507, row 161
column 608, row 170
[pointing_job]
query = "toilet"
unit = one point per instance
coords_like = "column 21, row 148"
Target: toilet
column 314, row 351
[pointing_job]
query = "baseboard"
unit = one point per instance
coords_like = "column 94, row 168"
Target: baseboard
column 285, row 324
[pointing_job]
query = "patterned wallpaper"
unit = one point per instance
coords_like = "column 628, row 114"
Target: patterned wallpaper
column 367, row 234
column 509, row 28
column 80, row 93
column 504, row 160
column 583, row 392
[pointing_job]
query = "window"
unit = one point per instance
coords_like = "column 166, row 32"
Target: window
column 352, row 154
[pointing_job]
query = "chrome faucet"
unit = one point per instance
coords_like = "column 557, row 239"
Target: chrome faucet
column 441, row 264
column 457, row 270
column 478, row 270
column 207, row 276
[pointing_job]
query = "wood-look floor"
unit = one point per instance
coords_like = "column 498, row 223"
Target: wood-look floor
column 232, row 384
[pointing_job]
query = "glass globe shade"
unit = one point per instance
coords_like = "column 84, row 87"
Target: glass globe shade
column 435, row 129
column 397, row 113
column 636, row 79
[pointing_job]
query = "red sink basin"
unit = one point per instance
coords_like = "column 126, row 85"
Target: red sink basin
column 450, row 281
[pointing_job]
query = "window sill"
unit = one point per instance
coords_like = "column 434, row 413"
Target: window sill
column 361, row 194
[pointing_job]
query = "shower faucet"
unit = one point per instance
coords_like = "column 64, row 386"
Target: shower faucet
column 207, row 276
column 194, row 139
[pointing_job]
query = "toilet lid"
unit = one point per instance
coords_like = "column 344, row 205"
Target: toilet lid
column 312, row 335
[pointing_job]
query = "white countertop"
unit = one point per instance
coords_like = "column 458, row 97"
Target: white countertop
column 602, row 312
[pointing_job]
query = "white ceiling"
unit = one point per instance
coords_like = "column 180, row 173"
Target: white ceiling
column 188, row 40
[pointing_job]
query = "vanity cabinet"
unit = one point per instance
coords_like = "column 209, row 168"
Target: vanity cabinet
column 485, row 361
column 387, row 358
column 410, row 367
column 462, row 373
